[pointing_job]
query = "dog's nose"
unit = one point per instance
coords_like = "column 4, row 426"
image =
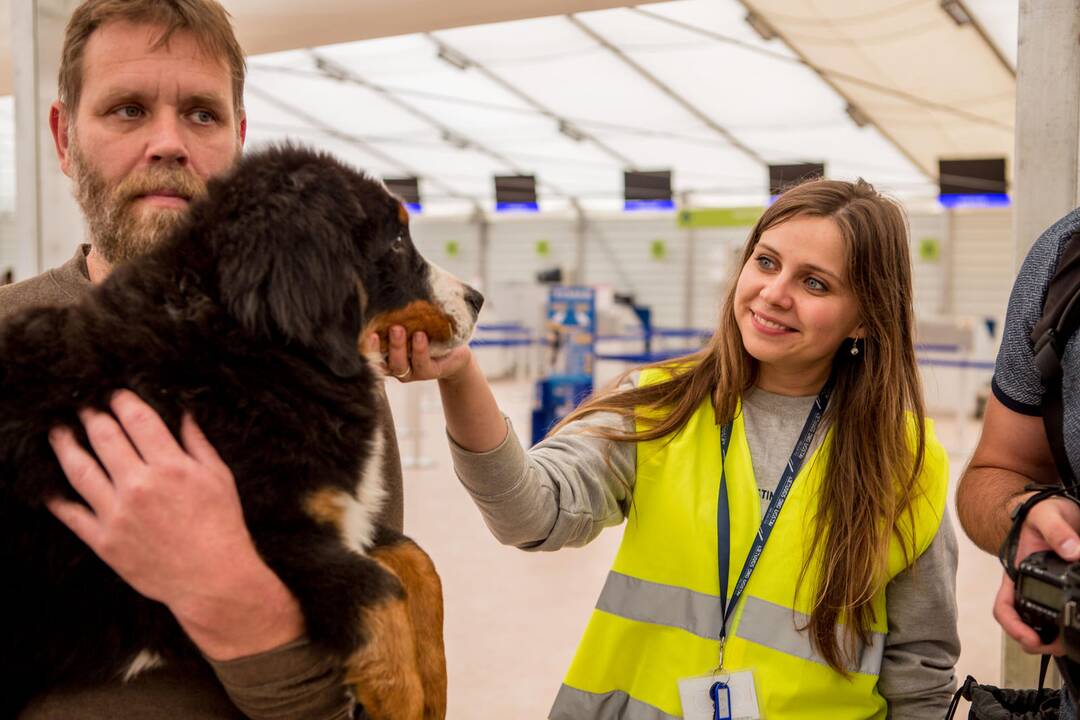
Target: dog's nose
column 474, row 300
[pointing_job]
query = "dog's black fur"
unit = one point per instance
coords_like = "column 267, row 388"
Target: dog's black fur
column 248, row 318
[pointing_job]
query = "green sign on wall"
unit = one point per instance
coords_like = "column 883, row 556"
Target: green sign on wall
column 929, row 249
column 543, row 248
column 452, row 248
column 719, row 217
column 658, row 249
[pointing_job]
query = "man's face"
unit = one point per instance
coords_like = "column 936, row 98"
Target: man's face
column 151, row 127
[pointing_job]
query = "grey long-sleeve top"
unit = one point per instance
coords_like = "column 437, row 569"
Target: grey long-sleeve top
column 569, row 487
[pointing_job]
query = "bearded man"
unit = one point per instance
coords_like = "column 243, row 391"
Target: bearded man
column 150, row 107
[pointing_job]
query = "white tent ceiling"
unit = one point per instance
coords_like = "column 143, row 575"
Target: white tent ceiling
column 734, row 102
column 687, row 85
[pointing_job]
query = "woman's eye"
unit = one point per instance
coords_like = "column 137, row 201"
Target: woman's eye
column 816, row 285
column 764, row 262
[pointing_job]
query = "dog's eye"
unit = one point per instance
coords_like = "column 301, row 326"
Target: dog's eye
column 398, row 245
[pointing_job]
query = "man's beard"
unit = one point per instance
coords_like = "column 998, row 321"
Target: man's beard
column 119, row 230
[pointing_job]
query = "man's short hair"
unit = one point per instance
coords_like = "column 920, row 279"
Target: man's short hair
column 207, row 20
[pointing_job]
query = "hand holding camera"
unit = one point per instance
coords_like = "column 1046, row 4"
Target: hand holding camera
column 1032, row 611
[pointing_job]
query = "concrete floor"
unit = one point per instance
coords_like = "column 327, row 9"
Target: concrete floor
column 514, row 618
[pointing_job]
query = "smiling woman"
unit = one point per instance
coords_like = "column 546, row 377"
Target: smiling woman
column 793, row 305
column 808, row 397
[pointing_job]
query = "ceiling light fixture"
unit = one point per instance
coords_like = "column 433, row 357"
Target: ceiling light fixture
column 857, row 116
column 571, row 131
column 454, row 58
column 459, row 141
column 956, row 10
column 761, row 26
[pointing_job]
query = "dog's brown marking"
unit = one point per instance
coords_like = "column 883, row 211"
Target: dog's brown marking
column 383, row 672
column 326, row 506
column 423, row 597
column 403, row 213
column 418, row 316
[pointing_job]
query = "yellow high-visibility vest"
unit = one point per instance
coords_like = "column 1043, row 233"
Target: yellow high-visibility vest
column 658, row 617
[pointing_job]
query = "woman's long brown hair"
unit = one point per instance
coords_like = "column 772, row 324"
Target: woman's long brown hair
column 876, row 453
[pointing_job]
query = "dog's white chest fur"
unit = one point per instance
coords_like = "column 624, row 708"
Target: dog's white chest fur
column 362, row 510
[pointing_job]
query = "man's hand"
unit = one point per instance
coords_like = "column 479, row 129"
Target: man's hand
column 1050, row 525
column 167, row 519
column 418, row 364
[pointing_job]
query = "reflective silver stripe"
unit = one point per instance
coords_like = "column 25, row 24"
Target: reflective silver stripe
column 574, row 704
column 658, row 604
column 775, row 626
column 762, row 622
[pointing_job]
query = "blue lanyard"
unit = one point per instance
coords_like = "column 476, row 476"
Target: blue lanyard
column 723, row 515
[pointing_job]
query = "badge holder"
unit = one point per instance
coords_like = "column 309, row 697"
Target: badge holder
column 723, row 695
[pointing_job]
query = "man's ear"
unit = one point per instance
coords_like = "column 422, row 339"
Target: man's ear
column 60, row 125
column 243, row 128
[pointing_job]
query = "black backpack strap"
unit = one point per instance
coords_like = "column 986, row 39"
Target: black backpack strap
column 1060, row 319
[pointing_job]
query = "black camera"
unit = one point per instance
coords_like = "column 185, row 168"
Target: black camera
column 1048, row 598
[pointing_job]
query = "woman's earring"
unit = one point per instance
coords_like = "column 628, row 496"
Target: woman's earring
column 854, row 347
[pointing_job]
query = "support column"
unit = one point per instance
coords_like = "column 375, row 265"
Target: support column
column 48, row 222
column 483, row 248
column 581, row 233
column 1046, row 170
column 690, row 270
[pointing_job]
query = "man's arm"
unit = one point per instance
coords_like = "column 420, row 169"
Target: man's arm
column 1012, row 452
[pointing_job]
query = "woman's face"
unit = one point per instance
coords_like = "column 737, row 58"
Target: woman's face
column 792, row 300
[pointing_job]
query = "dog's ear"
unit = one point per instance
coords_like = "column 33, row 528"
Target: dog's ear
column 287, row 260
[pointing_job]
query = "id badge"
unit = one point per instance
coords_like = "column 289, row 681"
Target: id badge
column 723, row 696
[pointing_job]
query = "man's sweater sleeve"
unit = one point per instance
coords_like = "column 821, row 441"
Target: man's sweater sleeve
column 918, row 669
column 292, row 682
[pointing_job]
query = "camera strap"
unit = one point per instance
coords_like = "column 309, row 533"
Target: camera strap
column 1007, row 552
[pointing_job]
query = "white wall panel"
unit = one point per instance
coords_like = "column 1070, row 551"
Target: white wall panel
column 7, row 241
column 434, row 237
column 982, row 262
column 928, row 273
column 619, row 254
column 717, row 254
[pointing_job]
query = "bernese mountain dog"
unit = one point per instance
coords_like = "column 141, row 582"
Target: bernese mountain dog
column 250, row 317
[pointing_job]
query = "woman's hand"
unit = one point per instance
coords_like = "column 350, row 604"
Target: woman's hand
column 418, row 364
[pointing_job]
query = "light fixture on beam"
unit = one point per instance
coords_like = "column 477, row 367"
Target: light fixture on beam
column 331, row 70
column 761, row 26
column 857, row 116
column 453, row 57
column 459, row 141
column 571, row 131
column 956, row 10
